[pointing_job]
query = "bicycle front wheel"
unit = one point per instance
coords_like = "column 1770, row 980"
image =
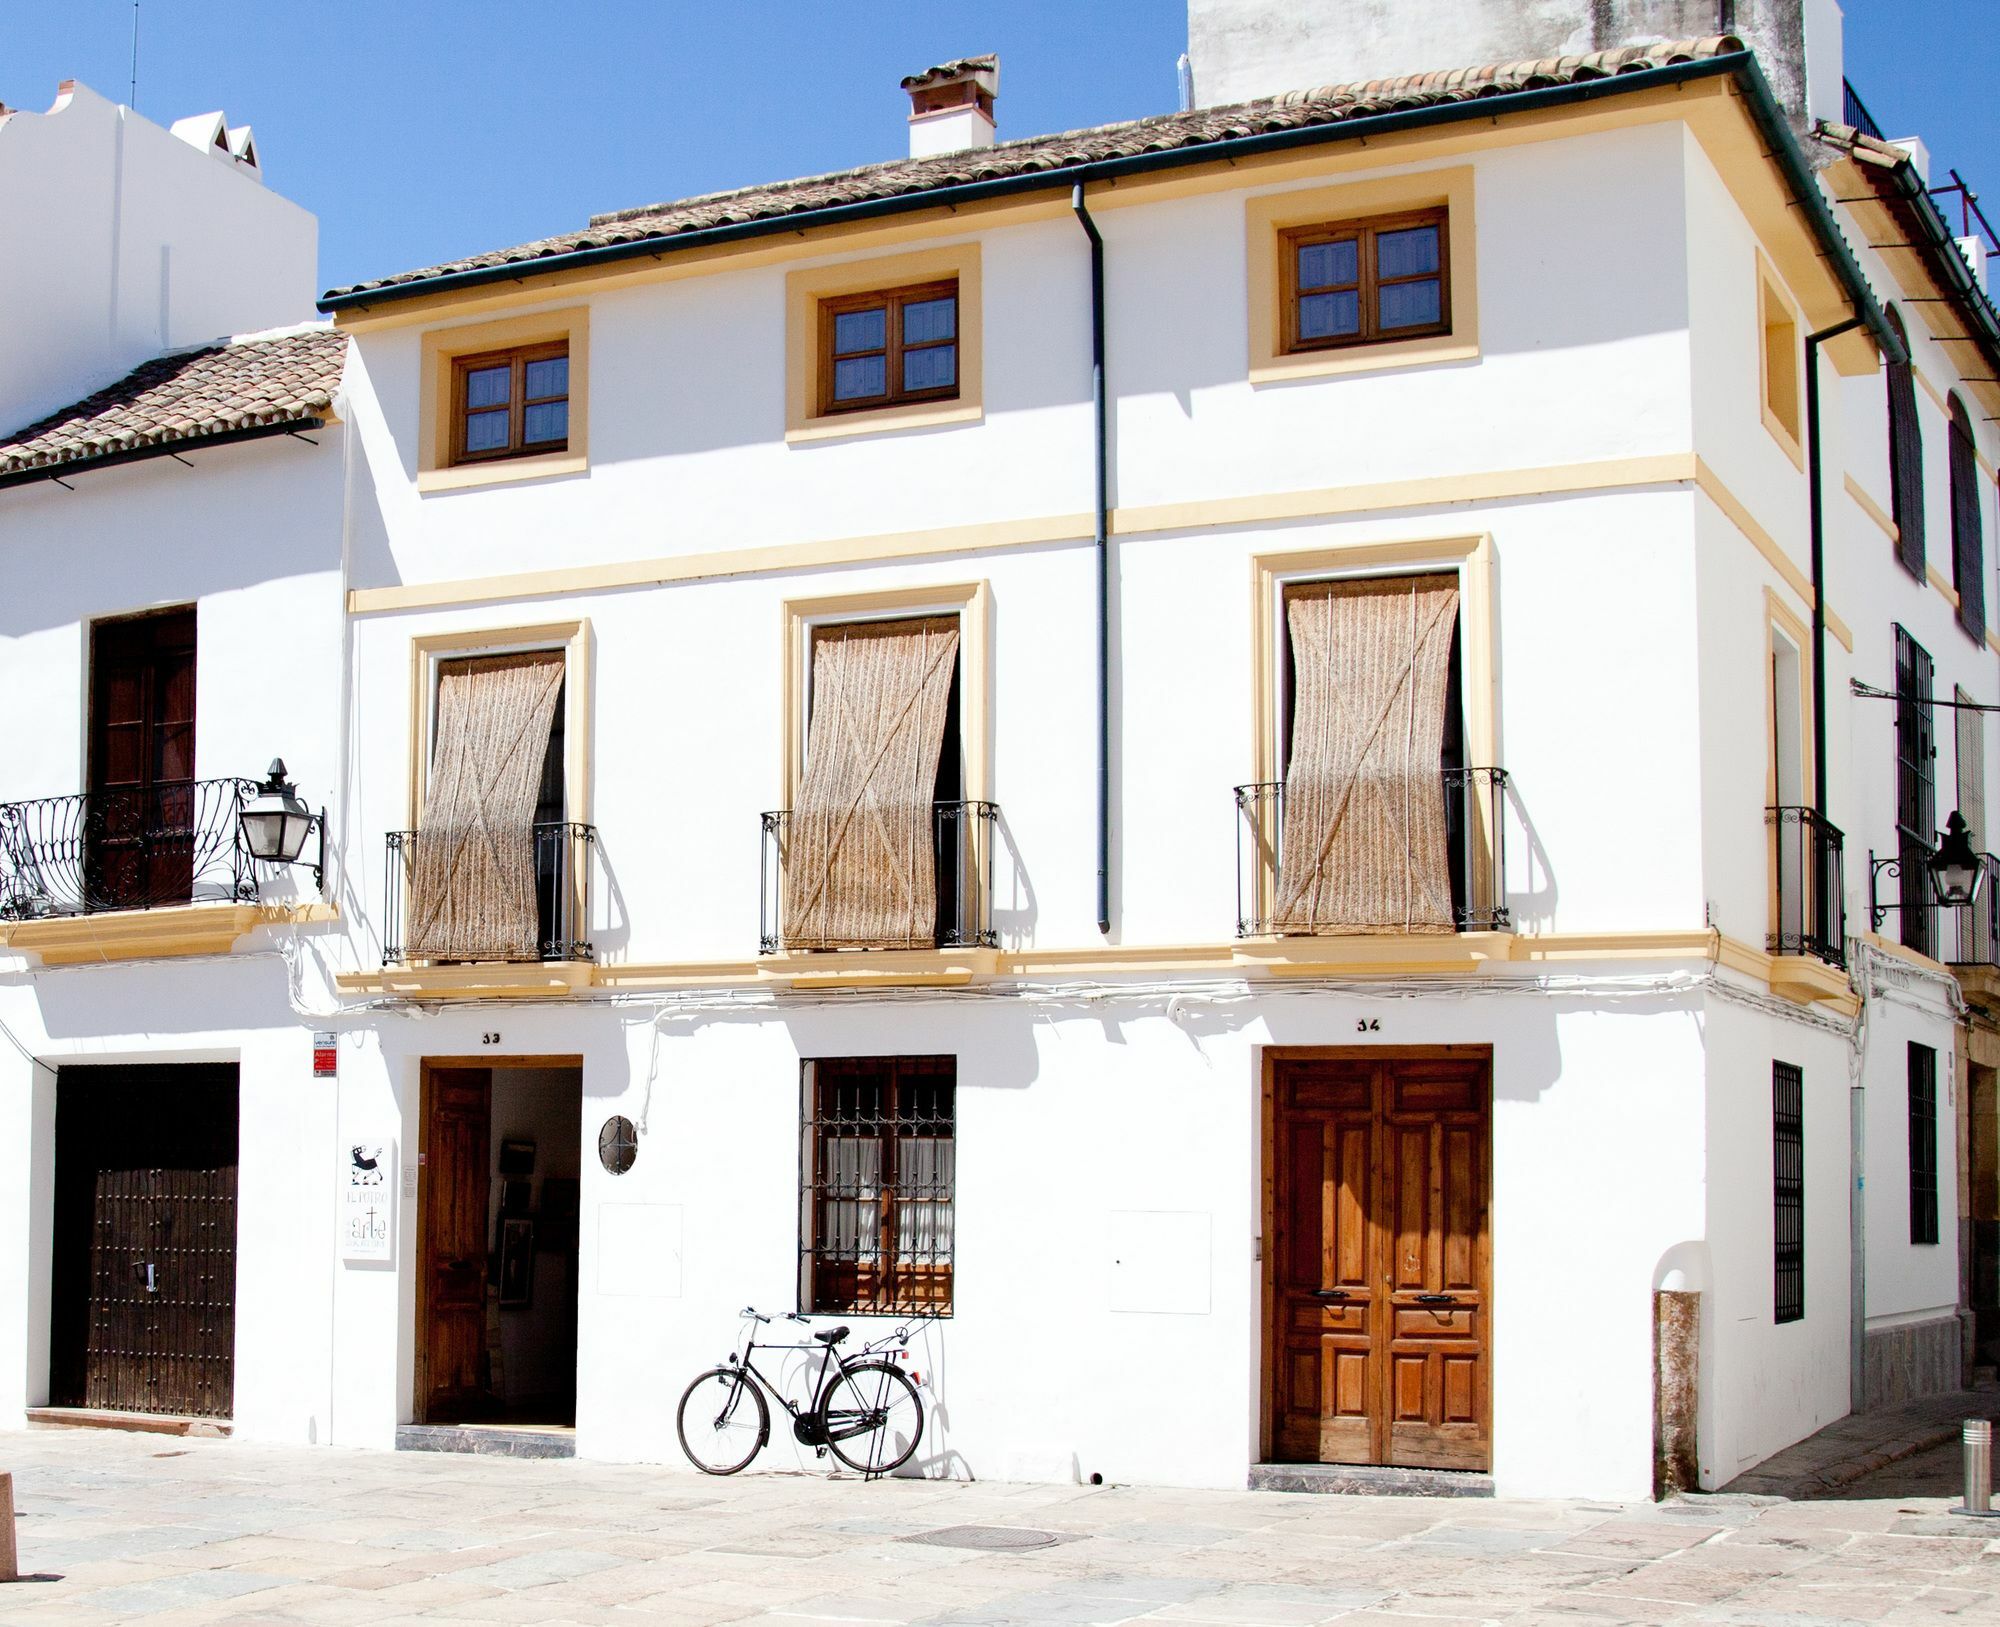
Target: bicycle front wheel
column 874, row 1416
column 723, row 1420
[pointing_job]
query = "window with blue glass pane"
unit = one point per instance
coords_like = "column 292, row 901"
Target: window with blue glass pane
column 513, row 402
column 897, row 345
column 1364, row 281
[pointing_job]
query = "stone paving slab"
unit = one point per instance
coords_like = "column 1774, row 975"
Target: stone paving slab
column 235, row 1533
column 1863, row 1443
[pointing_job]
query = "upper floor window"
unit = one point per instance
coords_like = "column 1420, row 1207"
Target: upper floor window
column 510, row 403
column 1968, row 553
column 1906, row 458
column 1779, row 364
column 1365, row 281
column 890, row 346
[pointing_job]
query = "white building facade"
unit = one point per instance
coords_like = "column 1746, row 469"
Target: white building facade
column 727, row 914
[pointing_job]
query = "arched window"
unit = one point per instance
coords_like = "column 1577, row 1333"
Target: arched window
column 1968, row 554
column 1906, row 458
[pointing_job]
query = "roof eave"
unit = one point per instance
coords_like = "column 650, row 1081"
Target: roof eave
column 159, row 449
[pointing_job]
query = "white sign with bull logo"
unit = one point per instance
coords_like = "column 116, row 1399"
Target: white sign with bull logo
column 368, row 1202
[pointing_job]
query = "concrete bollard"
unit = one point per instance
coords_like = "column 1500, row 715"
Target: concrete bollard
column 10, row 1565
column 1978, row 1443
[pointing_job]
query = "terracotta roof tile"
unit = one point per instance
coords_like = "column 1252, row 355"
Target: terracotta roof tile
column 188, row 397
column 1203, row 127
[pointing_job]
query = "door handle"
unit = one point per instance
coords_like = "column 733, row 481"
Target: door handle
column 1437, row 1299
column 1330, row 1293
column 152, row 1286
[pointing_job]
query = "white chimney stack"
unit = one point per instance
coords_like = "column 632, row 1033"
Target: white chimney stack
column 951, row 106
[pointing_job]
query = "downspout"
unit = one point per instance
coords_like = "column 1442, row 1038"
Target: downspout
column 1101, row 536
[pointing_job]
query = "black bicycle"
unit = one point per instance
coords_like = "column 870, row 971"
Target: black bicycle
column 863, row 1407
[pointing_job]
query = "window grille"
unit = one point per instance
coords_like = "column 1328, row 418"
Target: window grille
column 880, row 1165
column 1923, row 1145
column 1788, row 1185
column 1916, row 791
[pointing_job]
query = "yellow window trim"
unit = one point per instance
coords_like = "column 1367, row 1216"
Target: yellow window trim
column 803, row 292
column 428, row 650
column 971, row 602
column 1269, row 214
column 1737, row 512
column 1780, row 386
column 444, row 345
column 1874, row 510
column 191, row 929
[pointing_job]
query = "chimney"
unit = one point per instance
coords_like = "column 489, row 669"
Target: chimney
column 951, row 106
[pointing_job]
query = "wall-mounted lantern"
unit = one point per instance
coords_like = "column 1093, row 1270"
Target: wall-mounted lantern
column 276, row 823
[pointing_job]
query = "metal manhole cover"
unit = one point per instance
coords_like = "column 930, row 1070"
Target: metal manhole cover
column 992, row 1538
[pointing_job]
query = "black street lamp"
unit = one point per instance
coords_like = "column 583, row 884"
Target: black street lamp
column 1955, row 869
column 276, row 823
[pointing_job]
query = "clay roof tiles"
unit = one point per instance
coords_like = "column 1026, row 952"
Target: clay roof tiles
column 187, row 397
column 1300, row 109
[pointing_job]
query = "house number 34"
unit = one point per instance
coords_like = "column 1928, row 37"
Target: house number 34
column 1368, row 1025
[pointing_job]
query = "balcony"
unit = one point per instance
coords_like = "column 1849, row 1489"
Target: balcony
column 963, row 836
column 1809, row 903
column 1972, row 931
column 1475, row 837
column 562, row 899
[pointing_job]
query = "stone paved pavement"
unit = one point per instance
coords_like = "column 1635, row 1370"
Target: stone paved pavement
column 1863, row 1443
column 134, row 1528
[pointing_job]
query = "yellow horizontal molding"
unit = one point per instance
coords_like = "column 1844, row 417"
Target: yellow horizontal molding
column 189, row 929
column 1937, row 579
column 1611, row 474
column 495, row 980
column 1737, row 512
column 501, row 472
column 1370, row 954
column 1903, row 952
column 878, row 968
column 1874, row 510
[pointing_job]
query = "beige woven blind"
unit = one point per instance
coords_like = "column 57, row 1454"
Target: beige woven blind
column 1363, row 845
column 860, row 870
column 472, row 891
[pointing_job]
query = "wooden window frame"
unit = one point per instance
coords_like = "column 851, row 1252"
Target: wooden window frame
column 885, row 1287
column 517, row 358
column 1365, row 231
column 892, row 301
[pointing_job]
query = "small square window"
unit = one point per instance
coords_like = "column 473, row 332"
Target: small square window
column 881, row 348
column 1365, row 281
column 511, row 403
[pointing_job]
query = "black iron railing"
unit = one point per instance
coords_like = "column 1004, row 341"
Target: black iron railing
column 143, row 849
column 1809, row 886
column 1854, row 113
column 963, row 835
column 562, row 895
column 1976, row 926
column 1475, row 804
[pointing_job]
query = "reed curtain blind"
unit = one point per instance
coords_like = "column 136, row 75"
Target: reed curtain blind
column 862, row 869
column 472, row 893
column 1363, row 846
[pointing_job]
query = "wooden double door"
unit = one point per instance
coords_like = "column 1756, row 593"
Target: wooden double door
column 1378, row 1281
column 143, row 1312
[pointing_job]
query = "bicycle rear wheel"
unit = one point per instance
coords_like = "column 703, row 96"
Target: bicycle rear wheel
column 723, row 1420
column 874, row 1416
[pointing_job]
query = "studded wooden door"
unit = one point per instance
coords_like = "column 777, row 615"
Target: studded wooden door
column 1378, row 1348
column 144, row 1291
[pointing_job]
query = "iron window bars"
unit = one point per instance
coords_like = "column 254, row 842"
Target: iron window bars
column 1475, row 802
column 562, row 892
column 1788, row 1187
column 1923, row 1145
column 879, row 1167
column 145, row 848
column 1808, row 873
column 963, row 838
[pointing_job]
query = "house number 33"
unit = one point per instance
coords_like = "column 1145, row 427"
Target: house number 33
column 1368, row 1025
column 489, row 1039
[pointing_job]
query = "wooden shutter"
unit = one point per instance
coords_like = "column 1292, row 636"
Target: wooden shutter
column 1363, row 845
column 1906, row 461
column 1968, row 561
column 860, row 867
column 472, row 893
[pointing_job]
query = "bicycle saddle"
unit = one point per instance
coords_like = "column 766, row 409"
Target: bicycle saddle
column 830, row 1336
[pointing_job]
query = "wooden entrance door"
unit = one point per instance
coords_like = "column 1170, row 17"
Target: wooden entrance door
column 143, row 1303
column 1378, row 1346
column 139, row 827
column 451, row 1265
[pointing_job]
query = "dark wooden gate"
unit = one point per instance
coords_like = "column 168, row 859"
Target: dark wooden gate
column 144, row 1290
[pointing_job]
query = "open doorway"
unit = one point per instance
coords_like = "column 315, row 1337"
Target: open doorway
column 497, row 1241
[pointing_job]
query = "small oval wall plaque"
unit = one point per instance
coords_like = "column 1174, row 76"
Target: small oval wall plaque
column 617, row 1144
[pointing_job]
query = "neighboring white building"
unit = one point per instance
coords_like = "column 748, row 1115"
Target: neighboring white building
column 1450, row 492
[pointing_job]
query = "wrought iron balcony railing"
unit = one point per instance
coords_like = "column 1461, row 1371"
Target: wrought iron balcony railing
column 1809, row 895
column 1854, row 112
column 142, row 849
column 1976, row 926
column 562, row 894
column 963, row 836
column 1475, row 803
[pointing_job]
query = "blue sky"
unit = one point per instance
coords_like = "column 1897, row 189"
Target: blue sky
column 421, row 129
